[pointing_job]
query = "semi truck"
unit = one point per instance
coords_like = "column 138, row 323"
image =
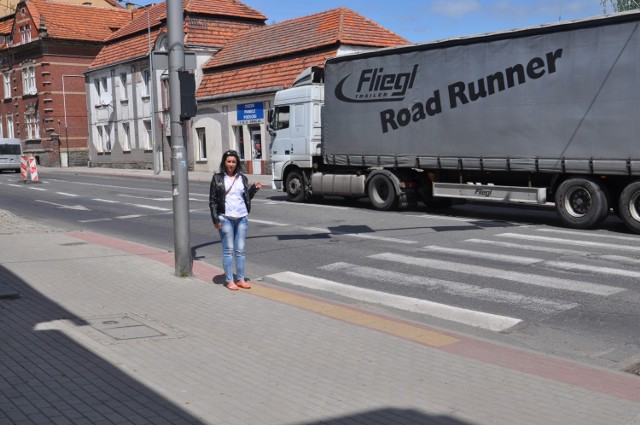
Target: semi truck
column 545, row 114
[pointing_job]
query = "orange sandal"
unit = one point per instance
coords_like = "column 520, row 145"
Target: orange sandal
column 242, row 284
column 232, row 286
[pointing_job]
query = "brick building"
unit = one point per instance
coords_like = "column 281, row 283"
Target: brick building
column 46, row 47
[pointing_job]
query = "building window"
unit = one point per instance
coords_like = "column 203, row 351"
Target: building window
column 126, row 137
column 166, row 97
column 146, row 78
column 33, row 128
column 25, row 34
column 29, row 80
column 1, row 127
column 7, row 85
column 123, row 86
column 10, row 132
column 104, row 139
column 202, row 144
column 101, row 86
column 147, row 135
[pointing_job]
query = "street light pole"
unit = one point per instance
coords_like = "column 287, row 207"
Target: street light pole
column 64, row 104
column 179, row 160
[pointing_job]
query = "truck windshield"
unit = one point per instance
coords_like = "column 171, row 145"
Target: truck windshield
column 10, row 150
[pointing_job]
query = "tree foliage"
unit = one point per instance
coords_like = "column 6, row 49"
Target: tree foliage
column 620, row 5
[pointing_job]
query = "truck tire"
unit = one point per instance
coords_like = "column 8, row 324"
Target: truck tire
column 382, row 194
column 629, row 206
column 581, row 203
column 295, row 186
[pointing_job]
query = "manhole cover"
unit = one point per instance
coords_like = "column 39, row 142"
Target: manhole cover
column 123, row 327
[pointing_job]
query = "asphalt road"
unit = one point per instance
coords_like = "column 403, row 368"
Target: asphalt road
column 508, row 274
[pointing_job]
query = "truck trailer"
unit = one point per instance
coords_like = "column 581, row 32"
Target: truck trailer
column 533, row 115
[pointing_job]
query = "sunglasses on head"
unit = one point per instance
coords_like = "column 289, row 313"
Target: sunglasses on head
column 230, row 152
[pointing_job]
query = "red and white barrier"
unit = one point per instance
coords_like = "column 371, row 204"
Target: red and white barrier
column 23, row 168
column 33, row 169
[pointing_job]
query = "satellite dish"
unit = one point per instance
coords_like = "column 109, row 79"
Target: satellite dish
column 105, row 99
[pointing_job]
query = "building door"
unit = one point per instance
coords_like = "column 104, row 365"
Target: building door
column 256, row 149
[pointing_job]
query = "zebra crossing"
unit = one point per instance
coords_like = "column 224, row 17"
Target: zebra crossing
column 515, row 268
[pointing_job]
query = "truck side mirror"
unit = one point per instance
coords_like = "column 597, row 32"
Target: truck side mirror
column 270, row 129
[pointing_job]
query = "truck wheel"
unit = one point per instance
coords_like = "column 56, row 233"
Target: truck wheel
column 581, row 203
column 382, row 193
column 629, row 206
column 295, row 186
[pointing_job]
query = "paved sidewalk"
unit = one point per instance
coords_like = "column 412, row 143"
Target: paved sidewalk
column 102, row 332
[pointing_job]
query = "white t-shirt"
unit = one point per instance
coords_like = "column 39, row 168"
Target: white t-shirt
column 234, row 201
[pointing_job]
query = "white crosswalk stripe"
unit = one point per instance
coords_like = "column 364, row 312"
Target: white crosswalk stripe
column 514, row 259
column 521, row 278
column 478, row 319
column 581, row 242
column 452, row 288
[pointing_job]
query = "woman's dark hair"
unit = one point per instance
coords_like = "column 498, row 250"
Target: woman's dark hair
column 227, row 154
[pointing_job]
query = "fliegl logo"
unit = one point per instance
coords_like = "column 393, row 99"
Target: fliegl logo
column 374, row 85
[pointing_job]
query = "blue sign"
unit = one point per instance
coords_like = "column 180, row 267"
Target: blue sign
column 250, row 113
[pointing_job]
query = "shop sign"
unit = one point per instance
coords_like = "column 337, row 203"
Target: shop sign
column 249, row 113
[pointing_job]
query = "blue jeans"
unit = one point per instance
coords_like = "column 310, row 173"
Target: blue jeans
column 233, row 235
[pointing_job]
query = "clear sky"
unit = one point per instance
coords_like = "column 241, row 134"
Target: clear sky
column 426, row 20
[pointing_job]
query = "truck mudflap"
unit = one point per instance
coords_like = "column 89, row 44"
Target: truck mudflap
column 529, row 195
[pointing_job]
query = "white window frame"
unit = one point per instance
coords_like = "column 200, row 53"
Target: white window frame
column 146, row 79
column 29, row 80
column 10, row 129
column 147, row 135
column 33, row 127
column 1, row 127
column 201, row 134
column 126, row 137
column 7, row 84
column 123, row 86
column 25, row 34
column 104, row 138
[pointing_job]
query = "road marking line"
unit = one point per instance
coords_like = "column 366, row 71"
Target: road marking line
column 527, row 247
column 149, row 207
column 582, row 243
column 37, row 188
column 386, row 325
column 591, row 234
column 544, row 281
column 108, row 201
column 67, row 207
column 358, row 235
column 122, row 217
column 468, row 317
column 94, row 220
column 459, row 289
column 552, row 264
column 67, row 194
column 513, row 259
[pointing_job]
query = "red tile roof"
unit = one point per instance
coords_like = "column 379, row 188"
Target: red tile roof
column 271, row 76
column 211, row 8
column 78, row 22
column 273, row 56
column 340, row 25
column 210, row 23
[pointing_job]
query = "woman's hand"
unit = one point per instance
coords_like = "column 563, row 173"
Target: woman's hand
column 217, row 225
column 258, row 185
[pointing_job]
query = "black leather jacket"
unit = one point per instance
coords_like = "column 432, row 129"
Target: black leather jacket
column 217, row 195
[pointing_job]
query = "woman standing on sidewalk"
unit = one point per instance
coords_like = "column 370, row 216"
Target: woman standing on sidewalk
column 230, row 203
